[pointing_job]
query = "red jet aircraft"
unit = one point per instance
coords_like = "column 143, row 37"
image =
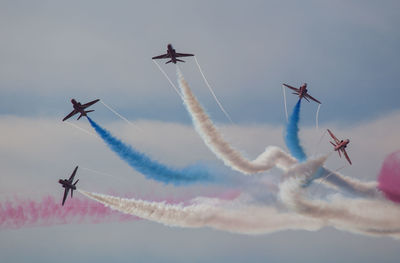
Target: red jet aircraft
column 302, row 92
column 68, row 184
column 340, row 145
column 171, row 53
column 80, row 108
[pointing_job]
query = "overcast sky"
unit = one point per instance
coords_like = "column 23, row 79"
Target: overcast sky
column 52, row 51
column 345, row 50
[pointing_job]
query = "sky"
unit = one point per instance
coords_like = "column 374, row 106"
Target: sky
column 52, row 51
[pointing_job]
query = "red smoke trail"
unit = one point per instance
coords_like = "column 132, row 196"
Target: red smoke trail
column 389, row 177
column 19, row 213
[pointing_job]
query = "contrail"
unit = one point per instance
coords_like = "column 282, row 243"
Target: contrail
column 271, row 157
column 284, row 103
column 18, row 213
column 119, row 115
column 148, row 167
column 367, row 216
column 292, row 134
column 169, row 80
column 319, row 142
column 97, row 172
column 317, row 118
column 81, row 129
column 212, row 92
column 210, row 212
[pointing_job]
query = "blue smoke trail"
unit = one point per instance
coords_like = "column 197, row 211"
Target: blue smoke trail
column 150, row 168
column 292, row 135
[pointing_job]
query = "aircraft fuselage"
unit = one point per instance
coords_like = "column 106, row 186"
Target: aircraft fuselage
column 67, row 184
column 78, row 107
column 303, row 91
column 171, row 53
column 342, row 145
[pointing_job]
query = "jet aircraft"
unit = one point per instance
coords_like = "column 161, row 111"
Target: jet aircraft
column 68, row 184
column 302, row 92
column 340, row 146
column 80, row 108
column 172, row 55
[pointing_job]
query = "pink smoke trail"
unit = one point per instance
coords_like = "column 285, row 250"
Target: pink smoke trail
column 18, row 213
column 389, row 177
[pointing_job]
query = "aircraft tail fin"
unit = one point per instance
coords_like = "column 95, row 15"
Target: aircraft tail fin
column 72, row 189
column 84, row 114
column 180, row 60
column 168, row 61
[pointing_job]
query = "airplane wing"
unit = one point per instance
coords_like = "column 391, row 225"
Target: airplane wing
column 345, row 155
column 161, row 56
column 314, row 99
column 290, row 87
column 334, row 137
column 183, row 55
column 65, row 195
column 72, row 113
column 89, row 103
column 71, row 179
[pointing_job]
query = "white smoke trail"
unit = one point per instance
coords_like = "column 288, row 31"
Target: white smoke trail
column 367, row 216
column 82, row 129
column 230, row 216
column 271, row 157
column 169, row 80
column 284, row 103
column 119, row 115
column 352, row 185
column 212, row 92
